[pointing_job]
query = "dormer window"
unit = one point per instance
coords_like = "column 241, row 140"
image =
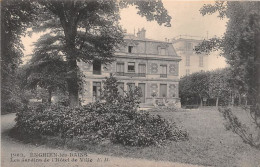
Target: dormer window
column 162, row 49
column 189, row 46
column 130, row 49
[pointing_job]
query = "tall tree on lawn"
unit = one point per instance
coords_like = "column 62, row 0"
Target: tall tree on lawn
column 90, row 30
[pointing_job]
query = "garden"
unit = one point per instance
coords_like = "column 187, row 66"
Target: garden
column 209, row 143
column 114, row 125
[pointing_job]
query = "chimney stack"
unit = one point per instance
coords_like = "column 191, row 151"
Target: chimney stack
column 141, row 33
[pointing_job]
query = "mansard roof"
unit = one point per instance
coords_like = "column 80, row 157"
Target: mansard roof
column 150, row 46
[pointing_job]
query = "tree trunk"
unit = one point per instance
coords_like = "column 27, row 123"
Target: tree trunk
column 239, row 99
column 257, row 39
column 73, row 87
column 201, row 101
column 49, row 96
column 70, row 31
column 232, row 100
column 217, row 101
column 258, row 70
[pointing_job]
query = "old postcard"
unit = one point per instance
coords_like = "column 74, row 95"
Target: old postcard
column 156, row 83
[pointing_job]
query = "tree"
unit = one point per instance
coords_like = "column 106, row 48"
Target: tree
column 84, row 24
column 195, row 86
column 219, row 86
column 241, row 46
column 46, row 72
column 16, row 16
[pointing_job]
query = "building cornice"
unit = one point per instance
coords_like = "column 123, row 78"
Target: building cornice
column 147, row 57
column 142, row 79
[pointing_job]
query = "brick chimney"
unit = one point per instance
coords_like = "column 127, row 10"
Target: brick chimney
column 141, row 33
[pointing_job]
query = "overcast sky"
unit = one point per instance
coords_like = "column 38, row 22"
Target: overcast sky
column 186, row 20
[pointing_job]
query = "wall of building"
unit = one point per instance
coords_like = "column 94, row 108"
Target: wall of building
column 155, row 55
column 185, row 49
column 152, row 78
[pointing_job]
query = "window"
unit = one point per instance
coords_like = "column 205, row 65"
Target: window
column 131, row 67
column 189, row 46
column 97, row 67
column 130, row 49
column 142, row 87
column 187, row 71
column 201, row 61
column 163, row 71
column 142, row 69
column 163, row 90
column 162, row 51
column 188, row 60
column 120, row 68
column 131, row 86
column 96, row 90
column 121, row 88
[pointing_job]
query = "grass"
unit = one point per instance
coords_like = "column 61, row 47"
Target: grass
column 209, row 144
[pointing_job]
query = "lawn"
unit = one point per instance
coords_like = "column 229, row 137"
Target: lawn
column 209, row 143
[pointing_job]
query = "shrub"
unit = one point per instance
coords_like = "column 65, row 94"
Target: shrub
column 233, row 124
column 116, row 121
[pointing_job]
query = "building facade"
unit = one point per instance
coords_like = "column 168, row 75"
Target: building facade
column 191, row 62
column 149, row 64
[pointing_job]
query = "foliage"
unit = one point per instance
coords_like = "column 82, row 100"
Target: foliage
column 77, row 27
column 47, row 72
column 195, row 86
column 98, row 122
column 220, row 85
column 240, row 43
column 16, row 16
column 111, row 94
column 240, row 46
column 110, row 90
column 232, row 123
column 116, row 120
column 217, row 84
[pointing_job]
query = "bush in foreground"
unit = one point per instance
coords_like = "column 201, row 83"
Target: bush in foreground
column 98, row 122
column 116, row 121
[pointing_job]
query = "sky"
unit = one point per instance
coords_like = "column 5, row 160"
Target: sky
column 186, row 20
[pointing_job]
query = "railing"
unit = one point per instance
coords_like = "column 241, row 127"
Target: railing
column 163, row 75
column 131, row 74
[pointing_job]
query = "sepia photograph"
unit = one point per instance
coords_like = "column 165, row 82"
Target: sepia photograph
column 130, row 83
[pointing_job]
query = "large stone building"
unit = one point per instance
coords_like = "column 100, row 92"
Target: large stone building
column 191, row 62
column 149, row 64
